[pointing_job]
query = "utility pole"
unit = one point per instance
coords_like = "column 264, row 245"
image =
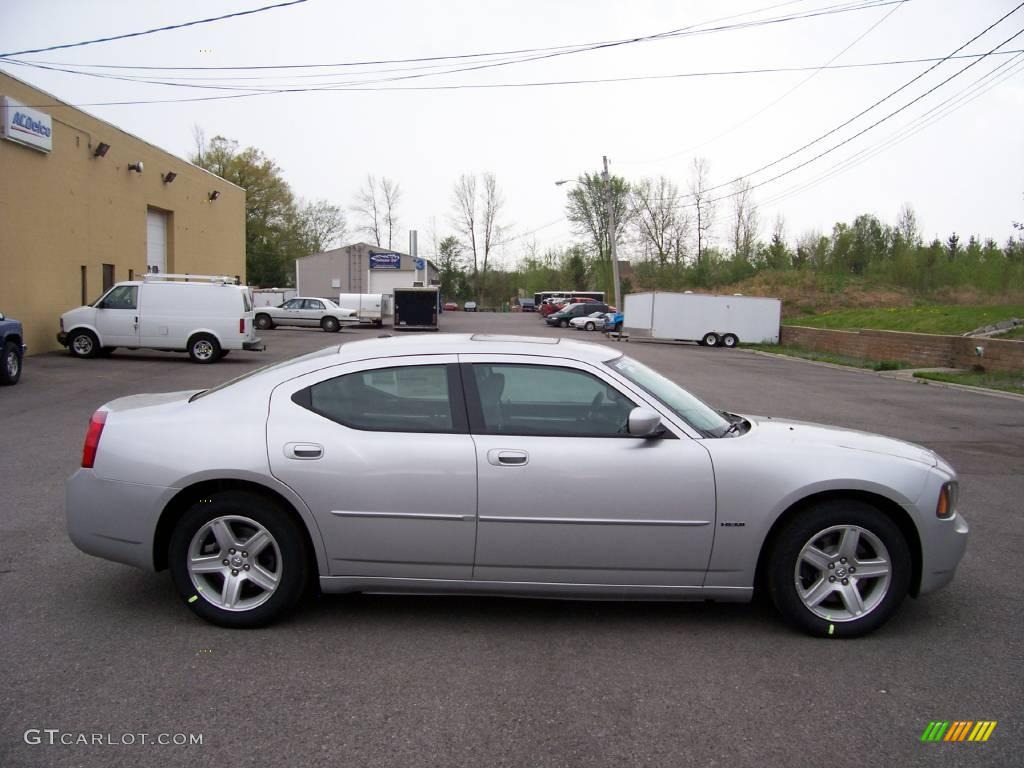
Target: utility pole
column 610, row 215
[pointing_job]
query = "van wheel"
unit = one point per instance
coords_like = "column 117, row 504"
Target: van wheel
column 238, row 560
column 10, row 371
column 83, row 344
column 330, row 324
column 710, row 339
column 264, row 323
column 203, row 348
column 730, row 340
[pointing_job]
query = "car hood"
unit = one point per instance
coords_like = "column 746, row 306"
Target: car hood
column 807, row 433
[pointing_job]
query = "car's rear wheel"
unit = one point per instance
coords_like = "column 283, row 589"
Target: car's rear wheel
column 83, row 343
column 730, row 340
column 840, row 569
column 10, row 371
column 710, row 339
column 204, row 348
column 589, row 326
column 563, row 323
column 263, row 322
column 330, row 324
column 238, row 560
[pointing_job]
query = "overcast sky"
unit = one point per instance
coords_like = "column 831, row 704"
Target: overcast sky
column 963, row 171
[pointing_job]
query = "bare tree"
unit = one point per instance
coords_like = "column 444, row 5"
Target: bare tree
column 476, row 217
column 906, row 226
column 745, row 223
column 322, row 225
column 658, row 221
column 368, row 207
column 705, row 209
column 390, row 194
column 199, row 139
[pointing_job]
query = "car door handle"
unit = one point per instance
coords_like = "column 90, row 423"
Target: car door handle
column 505, row 458
column 303, row 451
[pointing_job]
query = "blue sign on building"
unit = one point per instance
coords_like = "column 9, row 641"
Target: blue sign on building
column 385, row 261
column 420, row 263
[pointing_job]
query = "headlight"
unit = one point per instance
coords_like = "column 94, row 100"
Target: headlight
column 948, row 497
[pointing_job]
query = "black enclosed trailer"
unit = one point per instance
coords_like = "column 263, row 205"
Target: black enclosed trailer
column 416, row 309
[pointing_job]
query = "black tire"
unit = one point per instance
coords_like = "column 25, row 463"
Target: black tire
column 730, row 340
column 710, row 339
column 589, row 326
column 263, row 322
column 563, row 323
column 287, row 554
column 106, row 351
column 10, row 365
column 83, row 344
column 224, row 353
column 880, row 596
column 204, row 348
column 330, row 324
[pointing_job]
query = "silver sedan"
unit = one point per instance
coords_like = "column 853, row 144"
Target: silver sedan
column 306, row 312
column 397, row 465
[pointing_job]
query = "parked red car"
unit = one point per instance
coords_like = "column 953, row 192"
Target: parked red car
column 451, row 306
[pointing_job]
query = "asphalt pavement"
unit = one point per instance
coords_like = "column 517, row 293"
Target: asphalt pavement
column 98, row 652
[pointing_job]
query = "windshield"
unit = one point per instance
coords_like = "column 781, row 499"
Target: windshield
column 688, row 407
column 319, row 353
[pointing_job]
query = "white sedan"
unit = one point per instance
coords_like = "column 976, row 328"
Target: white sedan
column 595, row 321
column 398, row 465
column 308, row 312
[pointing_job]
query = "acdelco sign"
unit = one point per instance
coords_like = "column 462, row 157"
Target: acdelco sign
column 25, row 125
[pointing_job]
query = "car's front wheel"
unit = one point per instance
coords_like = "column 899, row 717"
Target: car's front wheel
column 83, row 343
column 330, row 324
column 564, row 323
column 10, row 371
column 238, row 560
column 263, row 322
column 839, row 569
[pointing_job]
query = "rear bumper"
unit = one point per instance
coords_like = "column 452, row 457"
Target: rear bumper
column 257, row 345
column 114, row 520
column 62, row 339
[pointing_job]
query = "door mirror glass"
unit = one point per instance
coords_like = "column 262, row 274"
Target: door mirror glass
column 643, row 422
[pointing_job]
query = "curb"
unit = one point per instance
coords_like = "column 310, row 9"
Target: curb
column 894, row 376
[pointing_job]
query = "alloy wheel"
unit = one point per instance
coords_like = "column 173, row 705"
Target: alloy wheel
column 234, row 563
column 843, row 573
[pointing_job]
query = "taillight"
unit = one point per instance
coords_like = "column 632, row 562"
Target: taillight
column 92, row 438
column 241, row 325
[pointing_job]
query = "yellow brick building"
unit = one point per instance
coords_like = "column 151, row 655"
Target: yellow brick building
column 84, row 204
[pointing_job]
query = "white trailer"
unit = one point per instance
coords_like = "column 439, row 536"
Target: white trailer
column 708, row 320
column 272, row 297
column 370, row 308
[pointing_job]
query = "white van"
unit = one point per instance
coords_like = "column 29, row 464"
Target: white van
column 204, row 315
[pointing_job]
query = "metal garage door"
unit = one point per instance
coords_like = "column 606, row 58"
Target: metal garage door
column 156, row 241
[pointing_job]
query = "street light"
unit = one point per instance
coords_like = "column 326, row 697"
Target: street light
column 610, row 215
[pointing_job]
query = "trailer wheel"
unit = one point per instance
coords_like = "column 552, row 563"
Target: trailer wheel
column 710, row 339
column 730, row 340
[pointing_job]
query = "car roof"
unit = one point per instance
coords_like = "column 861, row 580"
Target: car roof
column 477, row 343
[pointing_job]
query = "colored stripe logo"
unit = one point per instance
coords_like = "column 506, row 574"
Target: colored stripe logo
column 958, row 730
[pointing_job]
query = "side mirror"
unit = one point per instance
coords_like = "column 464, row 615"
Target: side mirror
column 2, row 316
column 643, row 422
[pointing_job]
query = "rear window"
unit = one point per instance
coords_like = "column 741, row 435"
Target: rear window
column 246, row 301
column 230, row 382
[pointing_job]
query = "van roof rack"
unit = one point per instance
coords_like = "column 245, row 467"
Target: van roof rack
column 223, row 279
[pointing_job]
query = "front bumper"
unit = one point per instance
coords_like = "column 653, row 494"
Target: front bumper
column 942, row 546
column 256, row 345
column 114, row 520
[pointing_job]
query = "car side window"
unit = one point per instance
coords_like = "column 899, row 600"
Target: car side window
column 314, row 304
column 292, row 304
column 548, row 400
column 415, row 398
column 122, row 297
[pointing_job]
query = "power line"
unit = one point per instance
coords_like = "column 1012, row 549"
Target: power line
column 151, row 31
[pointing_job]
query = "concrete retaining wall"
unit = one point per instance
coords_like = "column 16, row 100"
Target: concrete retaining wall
column 923, row 350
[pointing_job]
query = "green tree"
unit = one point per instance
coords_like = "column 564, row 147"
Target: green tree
column 587, row 209
column 450, row 267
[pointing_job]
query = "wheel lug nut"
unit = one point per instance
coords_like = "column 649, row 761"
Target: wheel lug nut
column 231, row 551
column 226, row 562
column 245, row 554
column 852, row 569
column 234, row 571
column 842, row 559
column 831, row 578
column 246, row 566
column 846, row 581
column 831, row 565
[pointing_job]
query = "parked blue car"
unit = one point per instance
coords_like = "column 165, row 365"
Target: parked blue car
column 12, row 342
column 614, row 323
